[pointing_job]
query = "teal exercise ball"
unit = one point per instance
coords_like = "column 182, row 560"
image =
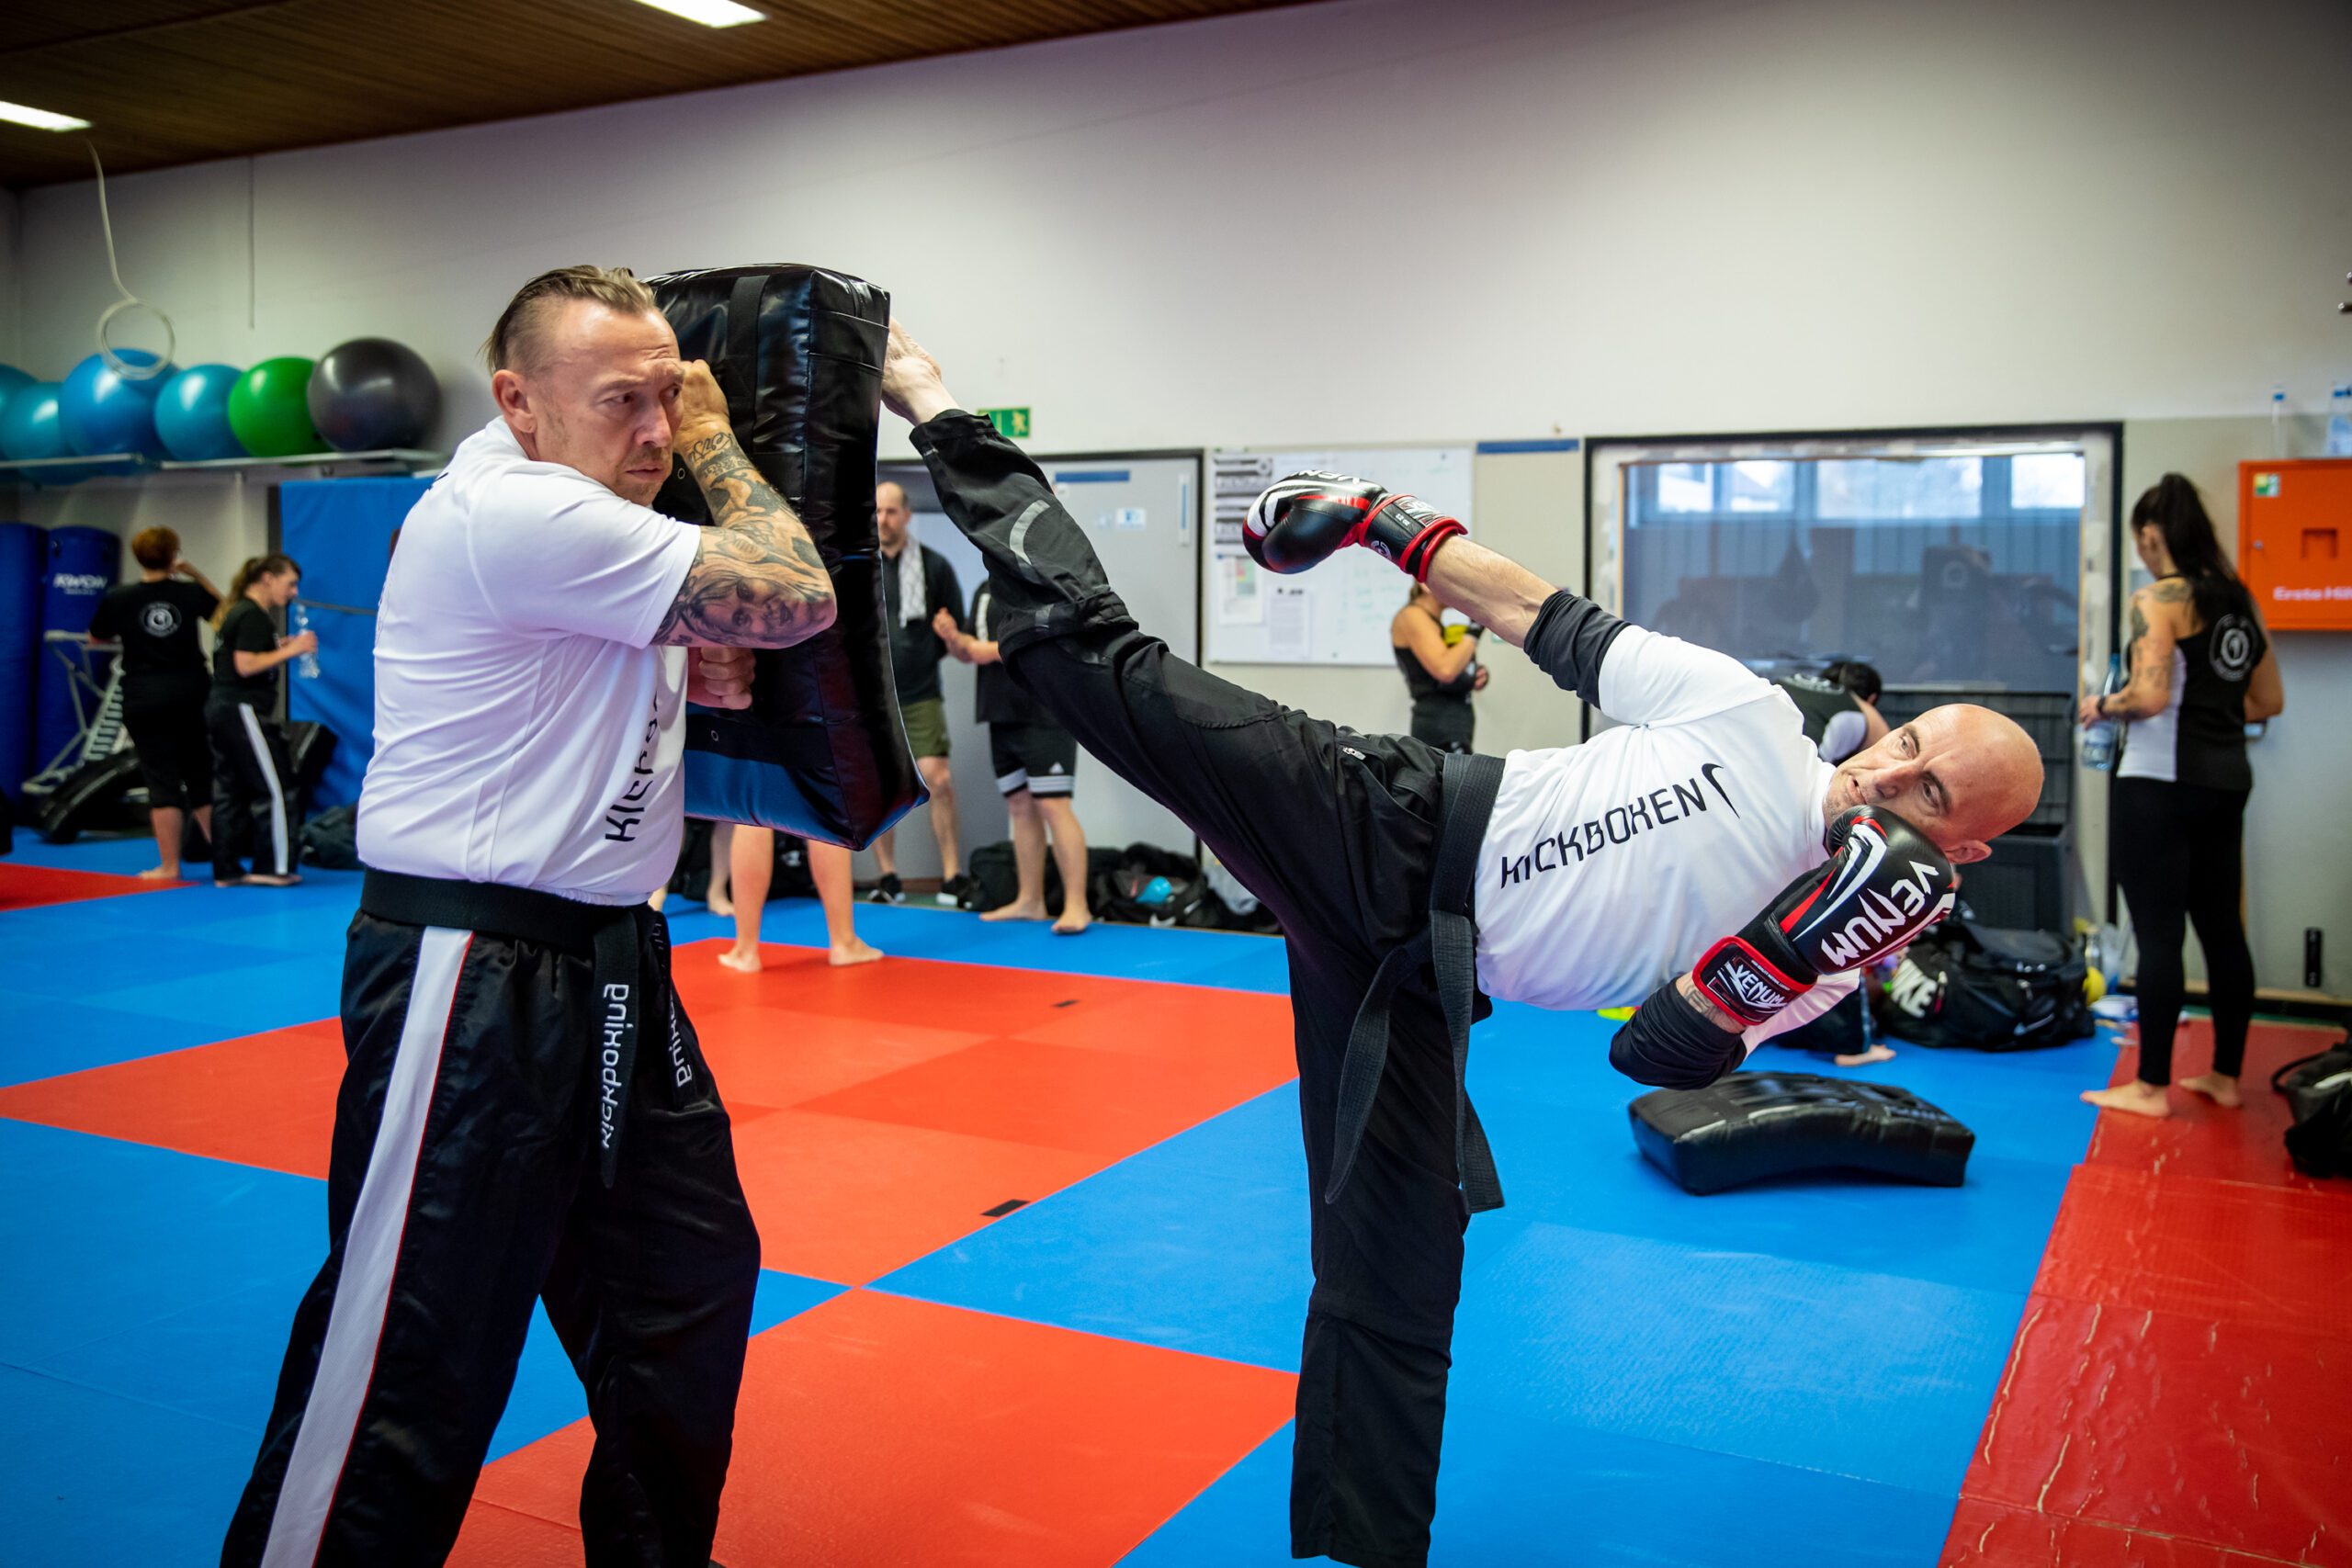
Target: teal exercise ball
column 30, row 429
column 106, row 411
column 192, row 413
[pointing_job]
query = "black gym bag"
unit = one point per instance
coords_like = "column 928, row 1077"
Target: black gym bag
column 2318, row 1091
column 1979, row 988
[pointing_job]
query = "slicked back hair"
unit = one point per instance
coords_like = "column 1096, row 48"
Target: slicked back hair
column 513, row 343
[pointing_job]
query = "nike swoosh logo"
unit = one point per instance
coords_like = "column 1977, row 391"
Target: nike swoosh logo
column 1710, row 770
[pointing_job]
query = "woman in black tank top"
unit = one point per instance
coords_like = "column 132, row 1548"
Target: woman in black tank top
column 1440, row 671
column 2201, row 668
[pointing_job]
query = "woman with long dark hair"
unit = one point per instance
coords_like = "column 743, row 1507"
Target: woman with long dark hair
column 1440, row 667
column 253, row 780
column 2202, row 668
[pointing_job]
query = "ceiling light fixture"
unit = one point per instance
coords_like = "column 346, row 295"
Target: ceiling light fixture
column 41, row 119
column 709, row 12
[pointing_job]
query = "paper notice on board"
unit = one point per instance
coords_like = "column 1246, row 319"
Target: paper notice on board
column 1239, row 602
column 1290, row 624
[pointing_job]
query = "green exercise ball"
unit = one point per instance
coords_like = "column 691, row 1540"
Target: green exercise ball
column 269, row 411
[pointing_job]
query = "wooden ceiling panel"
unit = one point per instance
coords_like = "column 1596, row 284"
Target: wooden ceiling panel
column 166, row 82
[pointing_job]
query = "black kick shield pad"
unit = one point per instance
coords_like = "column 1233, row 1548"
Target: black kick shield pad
column 822, row 751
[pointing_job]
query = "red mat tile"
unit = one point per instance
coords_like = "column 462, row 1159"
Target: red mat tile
column 846, row 1200
column 2202, row 1139
column 922, row 991
column 764, row 1055
column 1986, row 1535
column 493, row 1537
column 1107, row 1103
column 2257, row 1255
column 266, row 1100
column 28, row 887
column 2177, row 1426
column 875, row 1431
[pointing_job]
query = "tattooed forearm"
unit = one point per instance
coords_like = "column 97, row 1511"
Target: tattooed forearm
column 757, row 580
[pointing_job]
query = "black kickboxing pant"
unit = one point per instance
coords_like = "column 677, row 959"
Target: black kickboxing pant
column 464, row 1186
column 253, row 790
column 1336, row 832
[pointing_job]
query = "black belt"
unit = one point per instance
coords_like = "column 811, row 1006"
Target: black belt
column 612, row 936
column 1450, row 945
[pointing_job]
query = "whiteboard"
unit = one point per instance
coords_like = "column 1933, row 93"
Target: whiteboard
column 1337, row 613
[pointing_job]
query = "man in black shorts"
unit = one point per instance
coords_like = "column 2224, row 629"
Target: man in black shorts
column 164, row 685
column 1036, row 764
column 1411, row 885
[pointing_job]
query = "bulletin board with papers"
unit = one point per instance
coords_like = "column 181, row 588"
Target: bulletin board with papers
column 1337, row 613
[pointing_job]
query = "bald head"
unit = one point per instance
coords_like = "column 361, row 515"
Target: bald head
column 891, row 516
column 1961, row 774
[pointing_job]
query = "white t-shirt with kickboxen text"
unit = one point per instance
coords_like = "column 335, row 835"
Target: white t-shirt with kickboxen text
column 526, row 733
column 1608, row 868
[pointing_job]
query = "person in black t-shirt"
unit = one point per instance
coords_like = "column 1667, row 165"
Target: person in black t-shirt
column 1440, row 667
column 916, row 583
column 163, row 685
column 252, row 814
column 1037, row 764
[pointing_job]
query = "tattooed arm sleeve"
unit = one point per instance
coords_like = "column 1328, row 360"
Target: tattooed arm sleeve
column 757, row 580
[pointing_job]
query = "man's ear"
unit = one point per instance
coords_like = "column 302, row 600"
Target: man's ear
column 1967, row 853
column 514, row 402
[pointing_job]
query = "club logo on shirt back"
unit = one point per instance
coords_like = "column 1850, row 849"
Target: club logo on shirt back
column 2233, row 646
column 160, row 618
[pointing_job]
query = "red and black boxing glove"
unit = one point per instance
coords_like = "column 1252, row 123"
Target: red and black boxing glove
column 1302, row 518
column 1884, row 884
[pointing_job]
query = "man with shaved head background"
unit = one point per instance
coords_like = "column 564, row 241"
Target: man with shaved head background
column 1412, row 884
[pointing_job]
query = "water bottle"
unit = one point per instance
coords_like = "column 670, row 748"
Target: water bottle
column 2098, row 742
column 2339, row 420
column 307, row 666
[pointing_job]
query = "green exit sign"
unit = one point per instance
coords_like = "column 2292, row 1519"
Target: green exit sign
column 1010, row 423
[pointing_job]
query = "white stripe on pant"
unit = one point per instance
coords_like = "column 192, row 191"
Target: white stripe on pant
column 363, row 1287
column 267, row 763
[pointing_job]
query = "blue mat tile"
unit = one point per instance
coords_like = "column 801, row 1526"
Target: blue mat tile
column 80, row 967
column 94, row 1478
column 125, row 1234
column 46, row 1037
column 1532, row 1493
column 274, row 994
column 1867, row 1375
column 1197, row 1244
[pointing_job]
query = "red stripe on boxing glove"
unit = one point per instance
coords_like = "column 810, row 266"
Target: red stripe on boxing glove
column 1302, row 518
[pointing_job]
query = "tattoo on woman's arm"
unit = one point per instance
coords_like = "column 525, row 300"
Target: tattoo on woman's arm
column 757, row 580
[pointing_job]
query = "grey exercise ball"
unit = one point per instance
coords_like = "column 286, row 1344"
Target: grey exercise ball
column 372, row 393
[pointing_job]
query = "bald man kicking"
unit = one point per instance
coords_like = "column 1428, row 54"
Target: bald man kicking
column 1701, row 856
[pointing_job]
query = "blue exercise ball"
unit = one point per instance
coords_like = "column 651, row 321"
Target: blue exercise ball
column 30, row 429
column 192, row 413
column 106, row 411
column 11, row 378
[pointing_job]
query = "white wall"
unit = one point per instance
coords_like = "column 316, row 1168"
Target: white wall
column 1384, row 221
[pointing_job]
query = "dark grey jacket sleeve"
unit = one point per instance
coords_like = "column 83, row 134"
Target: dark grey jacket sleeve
column 1570, row 637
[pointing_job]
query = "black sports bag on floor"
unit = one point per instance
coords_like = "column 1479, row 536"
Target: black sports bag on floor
column 1981, row 988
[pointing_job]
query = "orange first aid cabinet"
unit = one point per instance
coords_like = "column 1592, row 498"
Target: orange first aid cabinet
column 2295, row 541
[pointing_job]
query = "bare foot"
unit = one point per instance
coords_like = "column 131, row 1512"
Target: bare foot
column 844, row 954
column 1015, row 912
column 1072, row 922
column 160, row 874
column 271, row 879
column 723, row 906
column 742, row 960
column 2135, row 1097
column 1864, row 1058
column 2215, row 1087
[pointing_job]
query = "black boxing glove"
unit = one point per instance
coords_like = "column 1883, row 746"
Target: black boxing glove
column 1883, row 884
column 1302, row 518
